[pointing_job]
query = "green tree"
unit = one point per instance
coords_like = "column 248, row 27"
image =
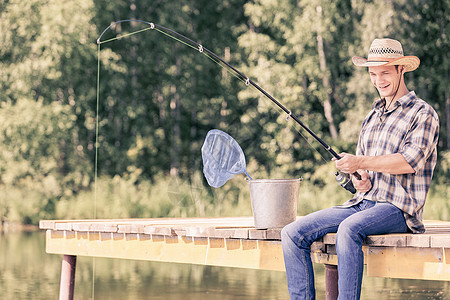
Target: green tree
column 47, row 54
column 298, row 50
column 41, row 159
column 157, row 106
column 428, row 39
column 44, row 50
column 158, row 98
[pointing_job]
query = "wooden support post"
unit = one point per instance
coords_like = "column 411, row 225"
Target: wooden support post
column 331, row 282
column 67, row 277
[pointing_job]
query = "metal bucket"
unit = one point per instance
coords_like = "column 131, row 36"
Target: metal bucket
column 274, row 201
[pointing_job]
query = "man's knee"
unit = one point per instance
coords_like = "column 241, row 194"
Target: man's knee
column 292, row 235
column 298, row 234
column 287, row 233
column 349, row 233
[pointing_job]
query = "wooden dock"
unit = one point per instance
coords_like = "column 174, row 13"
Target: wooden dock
column 234, row 242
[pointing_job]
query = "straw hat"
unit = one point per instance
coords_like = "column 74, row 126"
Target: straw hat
column 387, row 52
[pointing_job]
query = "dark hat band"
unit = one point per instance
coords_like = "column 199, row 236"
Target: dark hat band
column 384, row 51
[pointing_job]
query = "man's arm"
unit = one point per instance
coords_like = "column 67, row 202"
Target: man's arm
column 389, row 163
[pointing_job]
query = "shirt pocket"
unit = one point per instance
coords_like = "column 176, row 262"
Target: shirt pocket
column 391, row 134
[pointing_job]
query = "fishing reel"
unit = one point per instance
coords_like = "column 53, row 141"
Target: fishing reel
column 345, row 181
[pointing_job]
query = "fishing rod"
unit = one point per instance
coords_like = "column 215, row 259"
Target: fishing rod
column 342, row 178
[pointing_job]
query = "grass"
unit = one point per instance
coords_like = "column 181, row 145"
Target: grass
column 130, row 197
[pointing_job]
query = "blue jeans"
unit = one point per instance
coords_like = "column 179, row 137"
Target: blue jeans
column 352, row 225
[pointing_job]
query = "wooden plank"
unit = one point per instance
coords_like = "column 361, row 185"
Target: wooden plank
column 232, row 221
column 274, row 234
column 407, row 262
column 393, row 240
column 324, row 258
column 396, row 255
column 436, row 226
column 431, row 226
column 438, row 230
column 265, row 234
column 46, row 224
column 235, row 233
column 329, row 238
column 81, row 226
column 271, row 255
column 130, row 228
column 161, row 230
column 255, row 254
column 440, row 240
column 207, row 222
column 436, row 235
column 56, row 234
column 257, row 234
column 318, row 246
column 418, row 240
column 200, row 231
column 103, row 227
column 179, row 231
column 135, row 226
column 63, row 226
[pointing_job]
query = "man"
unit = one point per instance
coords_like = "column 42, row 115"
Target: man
column 395, row 156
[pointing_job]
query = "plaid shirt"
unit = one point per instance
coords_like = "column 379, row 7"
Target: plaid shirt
column 410, row 128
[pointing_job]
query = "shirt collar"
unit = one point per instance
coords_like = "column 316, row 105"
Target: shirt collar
column 403, row 101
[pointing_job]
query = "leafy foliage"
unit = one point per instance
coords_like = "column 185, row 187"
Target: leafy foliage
column 158, row 98
column 41, row 159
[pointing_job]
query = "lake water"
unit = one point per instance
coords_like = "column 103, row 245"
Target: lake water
column 27, row 272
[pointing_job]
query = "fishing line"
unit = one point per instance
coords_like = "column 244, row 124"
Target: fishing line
column 97, row 144
column 123, row 36
column 218, row 60
column 192, row 44
column 215, row 60
column 212, row 56
column 96, row 159
column 96, row 132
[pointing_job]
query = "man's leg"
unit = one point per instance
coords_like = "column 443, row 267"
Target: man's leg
column 375, row 218
column 297, row 238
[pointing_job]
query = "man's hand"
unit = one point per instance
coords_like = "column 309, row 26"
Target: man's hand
column 348, row 163
column 363, row 185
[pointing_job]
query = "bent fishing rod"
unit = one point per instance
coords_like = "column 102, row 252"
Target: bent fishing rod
column 342, row 179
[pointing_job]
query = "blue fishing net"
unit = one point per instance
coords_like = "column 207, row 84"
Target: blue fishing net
column 222, row 158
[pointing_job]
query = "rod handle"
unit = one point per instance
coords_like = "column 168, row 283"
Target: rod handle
column 357, row 176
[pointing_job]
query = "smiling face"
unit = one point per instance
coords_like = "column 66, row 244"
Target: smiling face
column 387, row 80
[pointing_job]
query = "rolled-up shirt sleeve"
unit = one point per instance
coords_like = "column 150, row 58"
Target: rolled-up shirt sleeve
column 421, row 139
